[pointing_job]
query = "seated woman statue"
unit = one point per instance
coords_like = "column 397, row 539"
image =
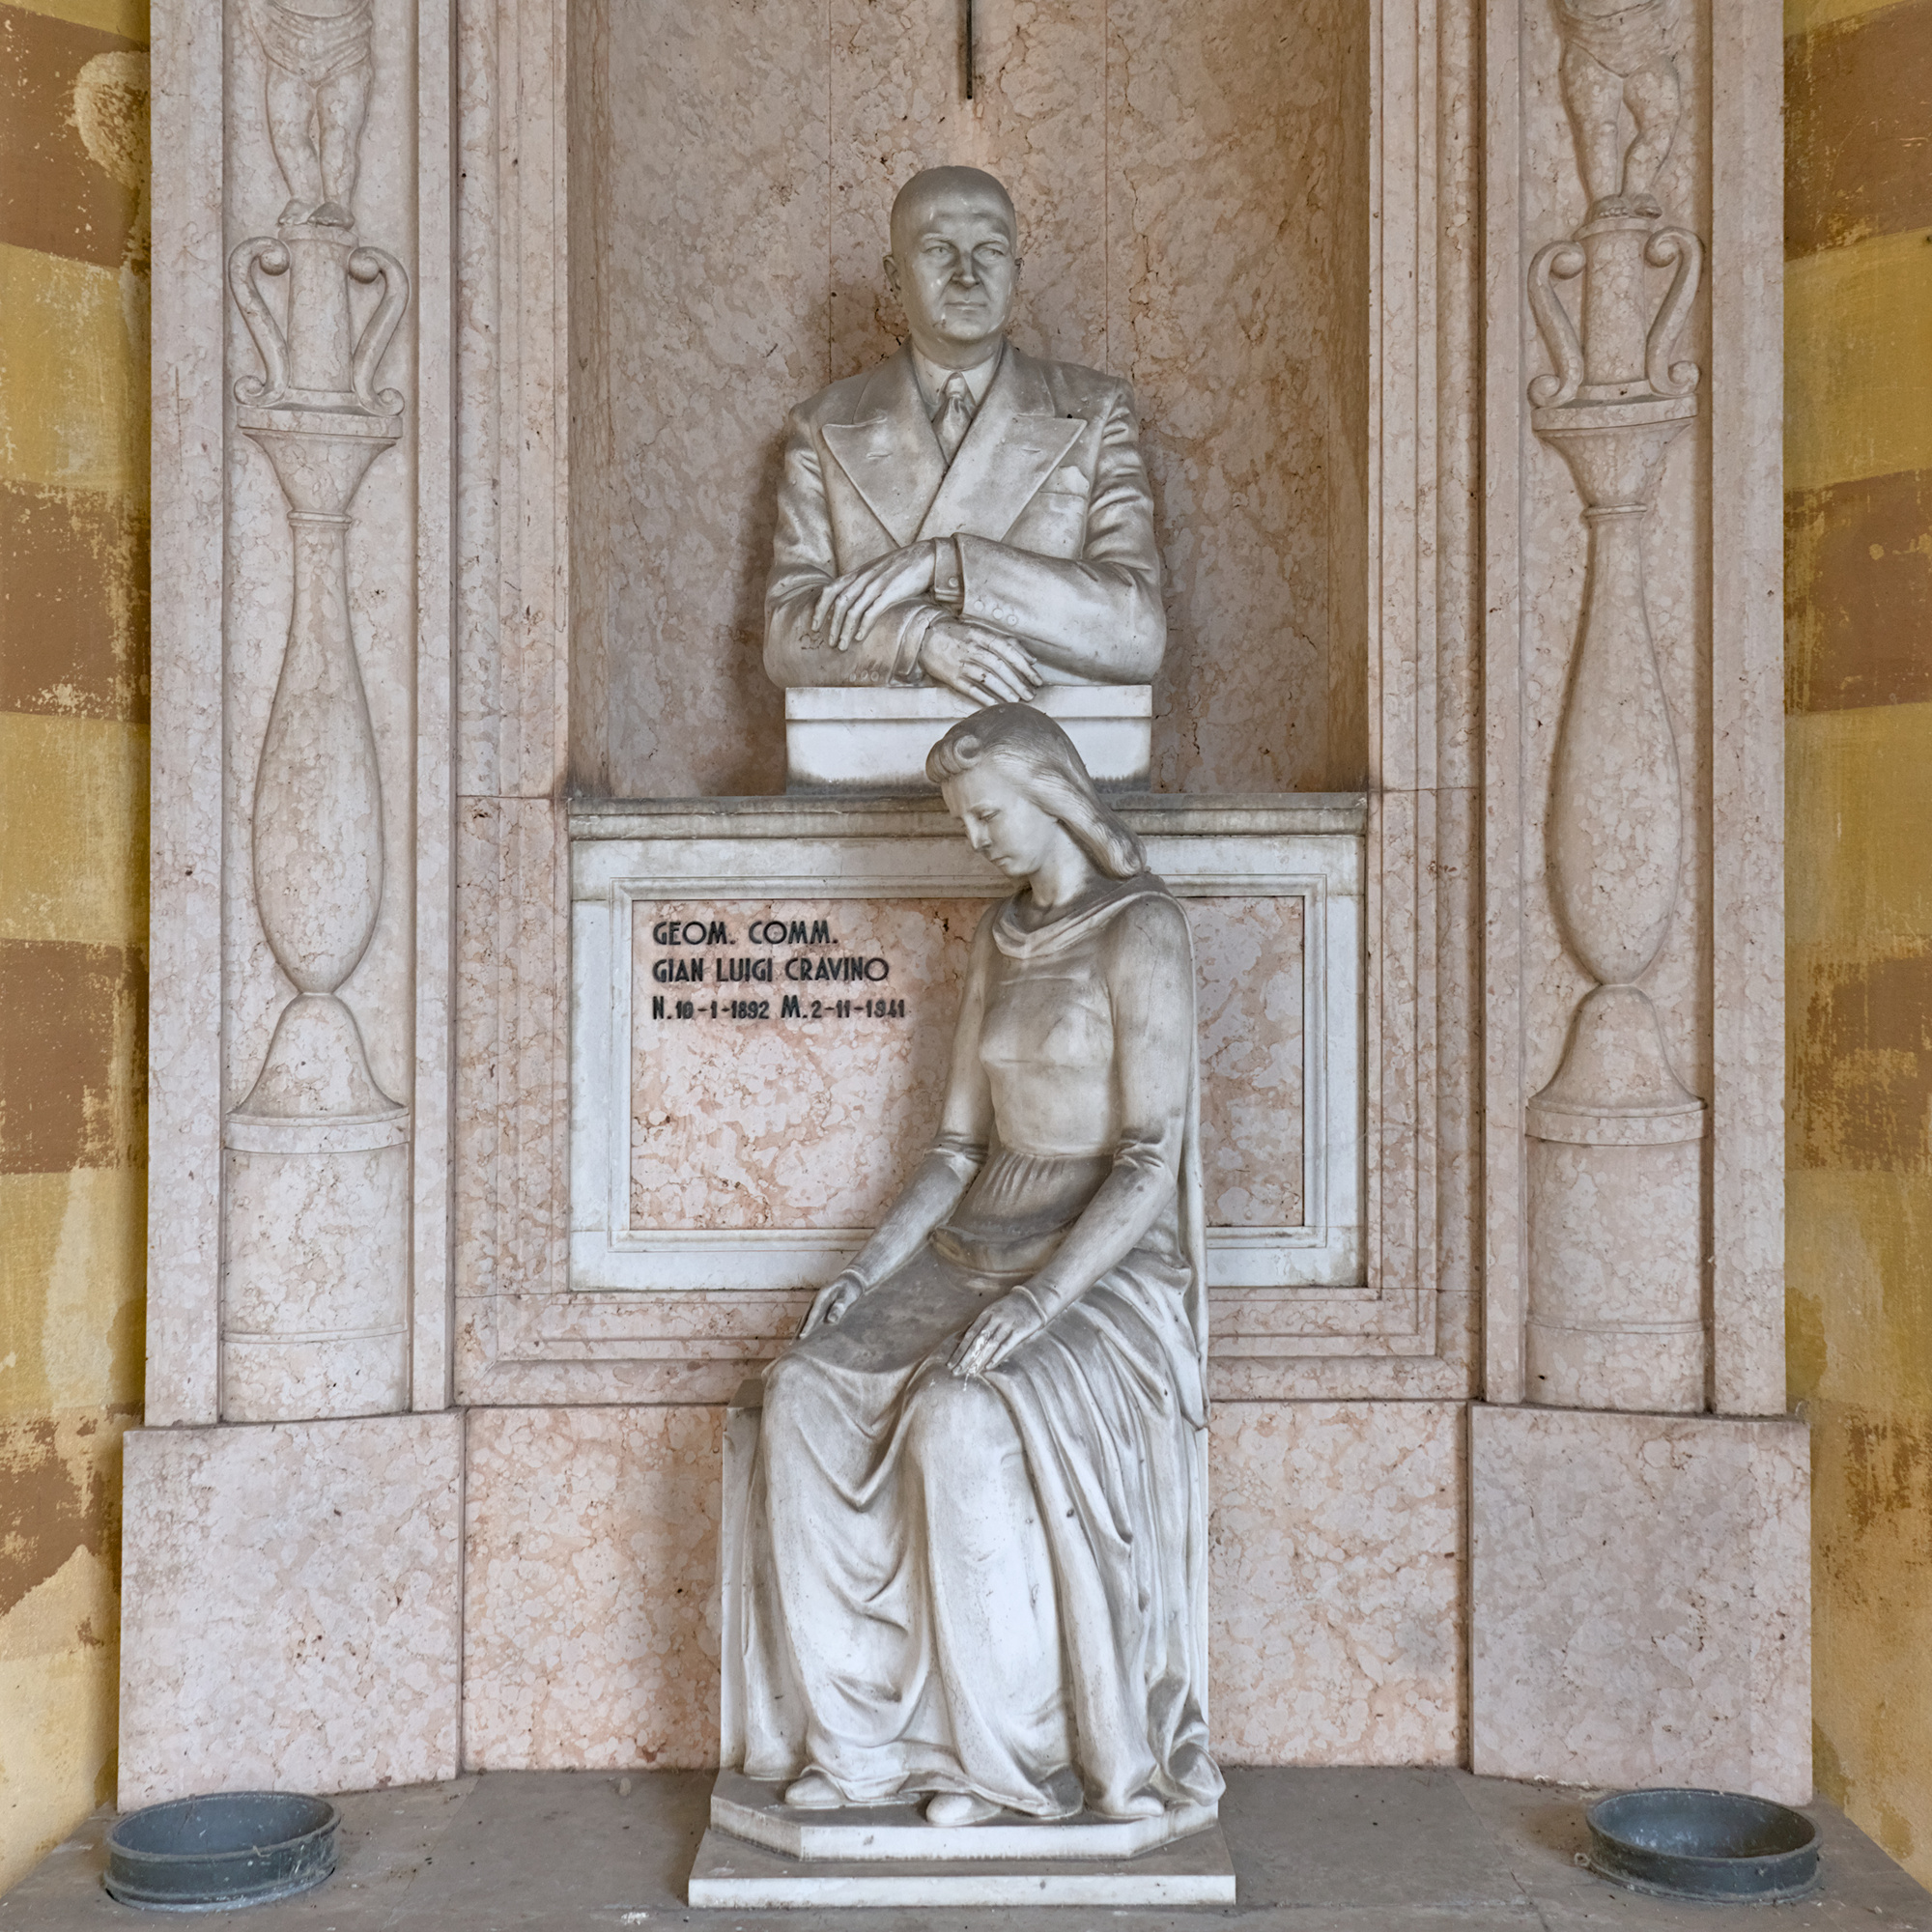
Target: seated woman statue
column 976, row 1557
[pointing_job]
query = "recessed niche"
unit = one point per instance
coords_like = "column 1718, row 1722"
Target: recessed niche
column 1192, row 187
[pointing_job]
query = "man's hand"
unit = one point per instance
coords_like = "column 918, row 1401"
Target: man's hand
column 832, row 1301
column 987, row 666
column 846, row 606
column 995, row 1332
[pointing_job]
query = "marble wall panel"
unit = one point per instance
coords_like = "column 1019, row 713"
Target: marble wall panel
column 707, row 231
column 512, row 976
column 1249, row 996
column 590, row 1585
column 1639, row 1597
column 1747, row 871
column 291, row 1606
column 591, row 1625
column 818, row 1121
column 510, row 1210
column 1336, row 1582
column 1191, row 186
column 1232, row 311
column 1460, row 1179
column 186, row 1027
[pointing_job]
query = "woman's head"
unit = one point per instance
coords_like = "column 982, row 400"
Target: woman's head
column 1016, row 762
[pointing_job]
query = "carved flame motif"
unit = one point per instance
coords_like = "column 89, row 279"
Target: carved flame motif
column 1617, row 59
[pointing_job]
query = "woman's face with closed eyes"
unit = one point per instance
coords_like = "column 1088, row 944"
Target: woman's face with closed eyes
column 1000, row 820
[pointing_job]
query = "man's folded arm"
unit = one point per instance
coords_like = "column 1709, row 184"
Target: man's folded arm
column 803, row 564
column 1099, row 616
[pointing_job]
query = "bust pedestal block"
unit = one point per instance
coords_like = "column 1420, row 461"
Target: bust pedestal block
column 842, row 739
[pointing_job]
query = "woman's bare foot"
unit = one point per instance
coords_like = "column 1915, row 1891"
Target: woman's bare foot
column 813, row 1792
column 958, row 1807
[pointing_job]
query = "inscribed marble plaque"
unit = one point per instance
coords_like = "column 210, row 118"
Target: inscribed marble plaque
column 789, row 1056
column 788, row 1080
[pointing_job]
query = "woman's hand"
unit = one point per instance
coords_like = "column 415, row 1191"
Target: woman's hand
column 997, row 1330
column 832, row 1301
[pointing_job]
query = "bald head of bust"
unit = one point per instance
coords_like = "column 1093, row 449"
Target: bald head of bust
column 909, row 205
column 955, row 264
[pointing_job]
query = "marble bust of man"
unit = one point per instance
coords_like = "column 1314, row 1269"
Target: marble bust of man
column 963, row 514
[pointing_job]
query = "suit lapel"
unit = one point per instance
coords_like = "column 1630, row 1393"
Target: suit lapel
column 890, row 454
column 1016, row 442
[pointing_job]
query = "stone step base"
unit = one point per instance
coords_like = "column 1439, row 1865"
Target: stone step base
column 733, row 1873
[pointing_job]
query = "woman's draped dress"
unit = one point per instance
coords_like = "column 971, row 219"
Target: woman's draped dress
column 995, row 1584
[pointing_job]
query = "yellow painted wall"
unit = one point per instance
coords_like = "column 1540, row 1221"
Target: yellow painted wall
column 1858, row 658
column 73, row 915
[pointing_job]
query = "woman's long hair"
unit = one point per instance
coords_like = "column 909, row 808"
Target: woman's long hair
column 1041, row 761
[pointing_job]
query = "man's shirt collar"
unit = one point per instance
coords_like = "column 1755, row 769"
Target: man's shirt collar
column 932, row 378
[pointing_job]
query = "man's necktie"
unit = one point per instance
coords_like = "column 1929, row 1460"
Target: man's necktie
column 955, row 418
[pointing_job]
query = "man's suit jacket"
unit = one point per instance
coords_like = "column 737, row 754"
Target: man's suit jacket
column 1047, row 497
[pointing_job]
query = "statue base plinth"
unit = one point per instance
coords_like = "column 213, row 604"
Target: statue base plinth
column 897, row 1833
column 760, row 1853
column 873, row 739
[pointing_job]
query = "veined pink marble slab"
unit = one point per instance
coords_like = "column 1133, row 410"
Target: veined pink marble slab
column 1250, row 965
column 591, row 1599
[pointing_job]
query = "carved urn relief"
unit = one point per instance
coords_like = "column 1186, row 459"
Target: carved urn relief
column 314, row 1281
column 1615, row 1203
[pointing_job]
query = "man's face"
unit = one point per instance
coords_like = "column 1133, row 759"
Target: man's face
column 955, row 270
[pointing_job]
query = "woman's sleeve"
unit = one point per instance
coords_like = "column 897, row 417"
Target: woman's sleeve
column 966, row 1124
column 1150, row 986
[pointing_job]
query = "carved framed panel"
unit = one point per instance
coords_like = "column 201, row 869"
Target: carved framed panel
column 792, row 1102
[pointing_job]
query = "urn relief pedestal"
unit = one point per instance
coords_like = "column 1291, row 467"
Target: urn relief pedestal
column 1638, row 1564
column 315, row 1292
column 1617, row 1317
column 293, row 1567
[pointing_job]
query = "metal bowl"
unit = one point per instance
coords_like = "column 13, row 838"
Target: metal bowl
column 1703, row 1844
column 214, row 1853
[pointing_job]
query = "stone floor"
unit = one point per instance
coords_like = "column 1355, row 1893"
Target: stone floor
column 1315, row 1851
